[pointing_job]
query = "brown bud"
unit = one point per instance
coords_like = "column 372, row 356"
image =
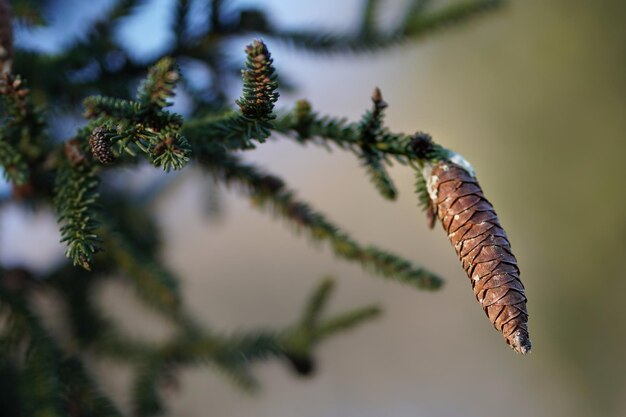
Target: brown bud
column 483, row 247
column 100, row 146
column 377, row 98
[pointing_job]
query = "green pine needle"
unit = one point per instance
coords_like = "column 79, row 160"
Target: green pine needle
column 76, row 199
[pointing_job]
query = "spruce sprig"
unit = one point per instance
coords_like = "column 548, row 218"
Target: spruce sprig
column 14, row 167
column 141, row 125
column 418, row 22
column 159, row 86
column 269, row 191
column 372, row 131
column 259, row 83
column 76, row 204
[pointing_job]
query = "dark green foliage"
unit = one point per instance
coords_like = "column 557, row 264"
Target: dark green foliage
column 418, row 22
column 76, row 202
column 110, row 232
column 21, row 133
column 153, row 283
column 268, row 191
column 15, row 168
column 259, row 83
column 159, row 86
column 141, row 126
column 372, row 131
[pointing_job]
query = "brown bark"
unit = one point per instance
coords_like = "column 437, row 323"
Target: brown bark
column 483, row 247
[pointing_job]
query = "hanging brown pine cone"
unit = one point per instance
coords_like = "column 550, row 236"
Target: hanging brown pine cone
column 482, row 245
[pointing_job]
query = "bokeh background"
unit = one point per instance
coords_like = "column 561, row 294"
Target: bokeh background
column 534, row 96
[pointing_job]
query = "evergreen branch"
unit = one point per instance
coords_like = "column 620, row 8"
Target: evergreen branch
column 159, row 86
column 259, row 83
column 413, row 11
column 82, row 396
column 377, row 172
column 109, row 107
column 317, row 302
column 14, row 167
column 170, row 153
column 414, row 27
column 304, row 126
column 142, row 125
column 233, row 354
column 75, row 201
column 216, row 15
column 368, row 19
column 345, row 322
column 50, row 384
column 154, row 284
column 23, row 124
column 129, row 112
column 90, row 328
column 452, row 14
column 268, row 191
column 86, row 321
column 372, row 131
column 145, row 394
column 230, row 131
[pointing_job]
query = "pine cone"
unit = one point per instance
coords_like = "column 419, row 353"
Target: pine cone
column 100, row 146
column 481, row 243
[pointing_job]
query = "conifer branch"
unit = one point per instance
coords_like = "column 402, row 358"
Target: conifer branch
column 23, row 124
column 81, row 394
column 368, row 19
column 236, row 131
column 52, row 384
column 259, row 83
column 153, row 283
column 304, row 125
column 230, row 131
column 129, row 127
column 345, row 321
column 75, row 200
column 417, row 24
column 145, row 392
column 317, row 302
column 372, row 131
column 268, row 191
column 159, row 86
column 14, row 166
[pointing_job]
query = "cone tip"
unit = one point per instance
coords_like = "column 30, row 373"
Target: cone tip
column 521, row 342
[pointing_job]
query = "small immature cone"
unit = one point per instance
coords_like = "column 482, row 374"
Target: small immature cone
column 473, row 228
column 100, row 146
column 6, row 37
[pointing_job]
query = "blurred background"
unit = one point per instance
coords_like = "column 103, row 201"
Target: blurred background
column 534, row 96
